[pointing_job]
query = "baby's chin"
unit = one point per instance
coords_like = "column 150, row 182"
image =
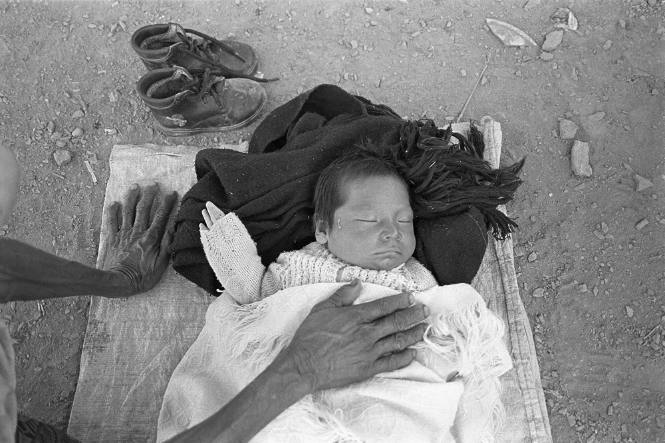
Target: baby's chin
column 386, row 264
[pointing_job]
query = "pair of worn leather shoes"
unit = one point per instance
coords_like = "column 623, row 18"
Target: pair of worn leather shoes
column 195, row 82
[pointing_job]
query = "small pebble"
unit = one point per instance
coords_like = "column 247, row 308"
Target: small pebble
column 50, row 127
column 538, row 293
column 567, row 129
column 354, row 44
column 607, row 45
column 579, row 159
column 641, row 224
column 546, row 56
column 483, row 81
column 77, row 114
column 571, row 420
column 642, row 183
column 369, row 10
column 622, row 23
column 532, row 257
column 597, row 116
column 629, row 312
column 552, row 40
column 77, row 132
column 462, row 72
column 60, row 143
column 62, row 157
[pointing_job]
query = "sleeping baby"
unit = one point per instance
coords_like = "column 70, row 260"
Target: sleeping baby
column 363, row 224
column 363, row 228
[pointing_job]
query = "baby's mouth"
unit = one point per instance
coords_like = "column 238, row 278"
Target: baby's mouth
column 391, row 251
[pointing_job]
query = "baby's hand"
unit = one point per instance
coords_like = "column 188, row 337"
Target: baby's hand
column 211, row 215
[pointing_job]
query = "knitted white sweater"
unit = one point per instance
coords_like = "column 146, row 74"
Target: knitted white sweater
column 233, row 257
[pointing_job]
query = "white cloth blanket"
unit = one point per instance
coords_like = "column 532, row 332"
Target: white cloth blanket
column 412, row 404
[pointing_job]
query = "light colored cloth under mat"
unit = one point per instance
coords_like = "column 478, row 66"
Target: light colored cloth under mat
column 132, row 345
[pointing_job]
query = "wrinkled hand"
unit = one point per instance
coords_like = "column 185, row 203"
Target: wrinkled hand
column 139, row 245
column 339, row 344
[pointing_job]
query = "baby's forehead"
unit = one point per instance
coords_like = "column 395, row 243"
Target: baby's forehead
column 359, row 194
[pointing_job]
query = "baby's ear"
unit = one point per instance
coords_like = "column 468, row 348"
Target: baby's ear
column 320, row 231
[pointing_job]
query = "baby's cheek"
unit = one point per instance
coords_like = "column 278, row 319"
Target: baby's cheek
column 409, row 235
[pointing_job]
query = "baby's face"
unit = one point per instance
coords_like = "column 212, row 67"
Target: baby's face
column 374, row 227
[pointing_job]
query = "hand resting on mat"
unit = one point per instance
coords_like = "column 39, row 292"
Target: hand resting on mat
column 338, row 343
column 137, row 256
column 138, row 243
column 136, row 259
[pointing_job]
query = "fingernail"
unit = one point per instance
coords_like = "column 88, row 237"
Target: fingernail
column 426, row 310
column 412, row 299
column 355, row 282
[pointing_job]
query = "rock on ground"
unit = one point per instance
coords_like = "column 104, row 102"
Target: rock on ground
column 579, row 159
column 552, row 40
column 62, row 157
column 567, row 129
column 546, row 56
column 642, row 183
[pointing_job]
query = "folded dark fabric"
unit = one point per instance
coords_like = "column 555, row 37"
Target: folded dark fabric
column 271, row 188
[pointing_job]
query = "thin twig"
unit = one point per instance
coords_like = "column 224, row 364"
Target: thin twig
column 468, row 99
column 90, row 171
column 644, row 340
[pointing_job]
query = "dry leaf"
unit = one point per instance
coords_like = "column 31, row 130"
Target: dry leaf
column 509, row 34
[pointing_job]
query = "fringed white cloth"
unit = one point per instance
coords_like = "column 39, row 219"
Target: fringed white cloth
column 413, row 404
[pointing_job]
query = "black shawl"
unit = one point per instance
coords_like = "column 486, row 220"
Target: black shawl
column 271, row 188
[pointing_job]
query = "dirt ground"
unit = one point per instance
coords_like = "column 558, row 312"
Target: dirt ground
column 591, row 271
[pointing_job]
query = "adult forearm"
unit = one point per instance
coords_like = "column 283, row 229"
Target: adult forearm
column 28, row 273
column 267, row 396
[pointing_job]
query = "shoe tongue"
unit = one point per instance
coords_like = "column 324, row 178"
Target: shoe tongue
column 172, row 35
column 168, row 87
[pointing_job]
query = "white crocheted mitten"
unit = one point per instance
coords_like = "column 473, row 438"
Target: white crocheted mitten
column 232, row 255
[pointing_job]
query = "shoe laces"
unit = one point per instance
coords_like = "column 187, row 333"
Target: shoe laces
column 207, row 82
column 204, row 45
column 203, row 49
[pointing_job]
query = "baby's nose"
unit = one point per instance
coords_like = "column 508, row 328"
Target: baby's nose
column 391, row 230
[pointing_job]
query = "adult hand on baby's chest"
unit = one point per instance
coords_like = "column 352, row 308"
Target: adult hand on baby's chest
column 340, row 343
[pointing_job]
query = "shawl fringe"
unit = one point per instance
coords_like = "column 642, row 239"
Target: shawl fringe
column 473, row 334
column 447, row 174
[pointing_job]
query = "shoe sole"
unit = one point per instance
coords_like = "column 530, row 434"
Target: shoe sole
column 180, row 132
